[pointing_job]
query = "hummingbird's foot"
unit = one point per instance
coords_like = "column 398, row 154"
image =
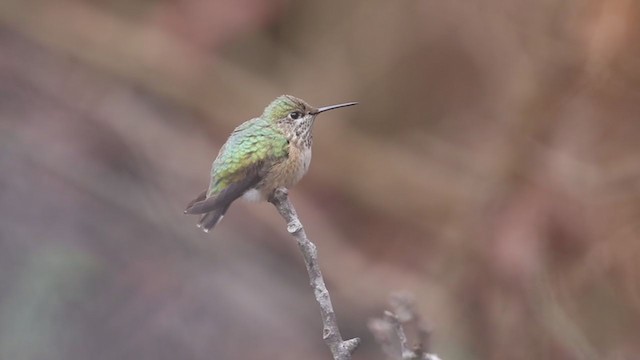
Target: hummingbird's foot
column 279, row 195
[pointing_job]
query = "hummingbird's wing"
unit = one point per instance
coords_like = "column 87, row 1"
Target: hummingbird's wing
column 244, row 180
column 241, row 164
column 214, row 207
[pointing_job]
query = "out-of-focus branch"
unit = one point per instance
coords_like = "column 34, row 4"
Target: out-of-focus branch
column 340, row 349
column 390, row 333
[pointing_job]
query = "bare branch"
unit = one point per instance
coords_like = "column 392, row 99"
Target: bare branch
column 390, row 334
column 340, row 349
column 392, row 319
column 403, row 305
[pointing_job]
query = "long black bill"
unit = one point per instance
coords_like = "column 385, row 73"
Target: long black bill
column 331, row 107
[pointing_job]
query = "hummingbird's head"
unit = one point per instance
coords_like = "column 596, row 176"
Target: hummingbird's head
column 294, row 115
column 287, row 109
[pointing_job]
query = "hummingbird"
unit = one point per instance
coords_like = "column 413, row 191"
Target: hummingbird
column 261, row 155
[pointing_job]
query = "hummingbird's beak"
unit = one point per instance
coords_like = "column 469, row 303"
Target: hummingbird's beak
column 331, row 107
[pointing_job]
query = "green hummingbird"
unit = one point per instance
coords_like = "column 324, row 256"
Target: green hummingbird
column 261, row 155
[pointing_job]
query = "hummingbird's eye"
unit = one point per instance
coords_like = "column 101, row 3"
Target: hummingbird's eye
column 295, row 115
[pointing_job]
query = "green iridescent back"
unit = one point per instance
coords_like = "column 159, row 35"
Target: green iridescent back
column 257, row 141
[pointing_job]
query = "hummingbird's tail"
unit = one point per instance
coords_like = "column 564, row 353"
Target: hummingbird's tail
column 213, row 210
column 201, row 196
column 212, row 218
column 214, row 207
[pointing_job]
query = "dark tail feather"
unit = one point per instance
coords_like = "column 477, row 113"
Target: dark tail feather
column 212, row 211
column 203, row 206
column 202, row 196
column 215, row 206
column 212, row 218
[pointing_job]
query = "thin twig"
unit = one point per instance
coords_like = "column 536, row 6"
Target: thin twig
column 403, row 306
column 390, row 334
column 340, row 349
column 405, row 352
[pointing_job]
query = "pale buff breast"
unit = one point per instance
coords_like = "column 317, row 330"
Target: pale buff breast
column 289, row 172
column 284, row 174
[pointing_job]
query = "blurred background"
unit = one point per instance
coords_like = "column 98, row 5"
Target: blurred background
column 492, row 169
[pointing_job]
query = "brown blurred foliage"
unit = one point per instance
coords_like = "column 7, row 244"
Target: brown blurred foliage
column 492, row 168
